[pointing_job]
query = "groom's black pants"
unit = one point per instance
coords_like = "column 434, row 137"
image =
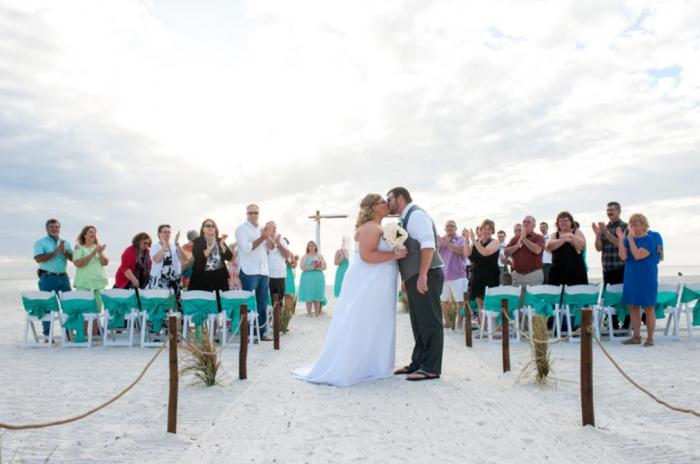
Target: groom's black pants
column 426, row 322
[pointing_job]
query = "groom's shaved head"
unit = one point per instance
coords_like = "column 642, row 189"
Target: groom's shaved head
column 400, row 191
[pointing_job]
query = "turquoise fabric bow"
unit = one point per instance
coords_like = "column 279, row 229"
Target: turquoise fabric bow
column 157, row 311
column 665, row 300
column 473, row 305
column 199, row 310
column 232, row 308
column 493, row 303
column 118, row 308
column 76, row 321
column 543, row 303
column 688, row 296
column 614, row 300
column 576, row 302
column 40, row 308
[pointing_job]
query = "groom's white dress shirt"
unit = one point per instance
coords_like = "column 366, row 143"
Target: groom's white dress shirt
column 251, row 262
column 420, row 227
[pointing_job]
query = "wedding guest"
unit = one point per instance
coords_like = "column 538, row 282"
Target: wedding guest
column 640, row 253
column 567, row 246
column 455, row 265
column 52, row 253
column 187, row 263
column 546, row 255
column 484, row 254
column 526, row 248
column 276, row 261
column 234, row 270
column 167, row 257
column 577, row 226
column 502, row 260
column 135, row 268
column 253, row 242
column 210, row 254
column 90, row 261
column 342, row 260
column 290, row 288
column 312, row 286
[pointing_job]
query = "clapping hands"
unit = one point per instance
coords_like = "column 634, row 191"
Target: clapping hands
column 620, row 234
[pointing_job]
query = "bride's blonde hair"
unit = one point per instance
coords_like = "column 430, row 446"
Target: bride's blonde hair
column 366, row 212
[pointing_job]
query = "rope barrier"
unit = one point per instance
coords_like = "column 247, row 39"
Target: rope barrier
column 94, row 410
column 548, row 342
column 217, row 352
column 590, row 330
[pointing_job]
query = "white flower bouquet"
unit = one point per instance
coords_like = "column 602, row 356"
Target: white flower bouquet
column 395, row 235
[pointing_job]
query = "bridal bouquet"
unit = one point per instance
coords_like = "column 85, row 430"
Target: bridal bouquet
column 317, row 263
column 395, row 235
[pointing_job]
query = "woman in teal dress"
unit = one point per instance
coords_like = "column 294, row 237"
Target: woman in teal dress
column 290, row 288
column 312, row 286
column 342, row 261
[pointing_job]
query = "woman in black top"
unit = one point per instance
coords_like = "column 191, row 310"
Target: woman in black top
column 210, row 253
column 568, row 267
column 483, row 254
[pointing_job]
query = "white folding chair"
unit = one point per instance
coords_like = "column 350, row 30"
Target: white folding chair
column 241, row 297
column 615, row 334
column 529, row 310
column 91, row 318
column 187, row 319
column 114, row 337
column 489, row 317
column 594, row 292
column 149, row 339
column 671, row 313
column 687, row 308
column 53, row 316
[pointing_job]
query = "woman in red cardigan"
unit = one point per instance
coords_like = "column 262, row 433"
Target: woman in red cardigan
column 135, row 269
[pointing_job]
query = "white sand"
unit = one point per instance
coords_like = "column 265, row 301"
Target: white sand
column 473, row 414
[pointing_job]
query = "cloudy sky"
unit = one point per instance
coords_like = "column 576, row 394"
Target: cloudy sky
column 129, row 114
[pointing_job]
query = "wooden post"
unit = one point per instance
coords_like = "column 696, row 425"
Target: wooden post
column 243, row 353
column 587, row 411
column 467, row 320
column 505, row 335
column 174, row 376
column 276, row 320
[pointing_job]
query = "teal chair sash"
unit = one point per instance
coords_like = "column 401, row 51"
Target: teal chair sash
column 118, row 308
column 232, row 308
column 543, row 303
column 76, row 321
column 614, row 300
column 40, row 308
column 688, row 296
column 157, row 311
column 576, row 302
column 200, row 310
column 665, row 300
column 493, row 303
column 473, row 305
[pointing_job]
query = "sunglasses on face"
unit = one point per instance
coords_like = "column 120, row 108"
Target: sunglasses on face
column 208, row 226
column 253, row 213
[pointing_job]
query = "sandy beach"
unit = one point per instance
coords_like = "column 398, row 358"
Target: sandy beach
column 475, row 413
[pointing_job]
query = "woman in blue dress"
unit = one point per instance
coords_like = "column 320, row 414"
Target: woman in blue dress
column 641, row 276
column 342, row 261
column 312, row 285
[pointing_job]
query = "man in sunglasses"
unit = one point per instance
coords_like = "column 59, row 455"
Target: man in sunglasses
column 253, row 244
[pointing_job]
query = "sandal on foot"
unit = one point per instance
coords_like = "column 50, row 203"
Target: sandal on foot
column 649, row 343
column 422, row 375
column 404, row 370
column 633, row 341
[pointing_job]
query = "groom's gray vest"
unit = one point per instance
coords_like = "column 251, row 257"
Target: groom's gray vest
column 410, row 265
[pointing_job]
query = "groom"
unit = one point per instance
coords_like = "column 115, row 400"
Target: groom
column 421, row 270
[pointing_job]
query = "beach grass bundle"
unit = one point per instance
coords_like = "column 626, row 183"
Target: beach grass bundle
column 204, row 368
column 404, row 303
column 452, row 311
column 539, row 367
column 288, row 309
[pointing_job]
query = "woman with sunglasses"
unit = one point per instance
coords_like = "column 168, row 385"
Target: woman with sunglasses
column 167, row 257
column 210, row 253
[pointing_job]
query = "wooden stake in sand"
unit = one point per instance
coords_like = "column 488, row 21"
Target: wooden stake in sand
column 505, row 335
column 587, row 411
column 276, row 320
column 174, row 375
column 243, row 353
column 467, row 320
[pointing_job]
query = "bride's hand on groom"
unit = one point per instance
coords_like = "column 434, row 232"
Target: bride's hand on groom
column 400, row 253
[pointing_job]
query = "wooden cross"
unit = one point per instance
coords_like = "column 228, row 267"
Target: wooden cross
column 317, row 218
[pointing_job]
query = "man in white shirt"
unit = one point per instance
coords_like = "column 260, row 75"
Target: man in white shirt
column 546, row 255
column 502, row 260
column 253, row 241
column 277, row 261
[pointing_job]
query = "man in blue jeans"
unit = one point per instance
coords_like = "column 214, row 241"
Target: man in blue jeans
column 52, row 254
column 253, row 243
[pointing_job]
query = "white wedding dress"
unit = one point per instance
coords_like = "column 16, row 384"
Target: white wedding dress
column 361, row 341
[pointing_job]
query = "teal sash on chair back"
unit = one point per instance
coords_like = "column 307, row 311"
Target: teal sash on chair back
column 665, row 300
column 76, row 321
column 576, row 302
column 543, row 303
column 688, row 296
column 232, row 308
column 118, row 308
column 157, row 310
column 40, row 308
column 614, row 300
column 493, row 303
column 200, row 310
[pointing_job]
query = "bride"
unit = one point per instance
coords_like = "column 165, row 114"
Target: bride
column 360, row 344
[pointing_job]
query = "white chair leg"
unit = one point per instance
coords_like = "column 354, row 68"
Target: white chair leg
column 26, row 330
column 143, row 328
column 688, row 320
column 89, row 334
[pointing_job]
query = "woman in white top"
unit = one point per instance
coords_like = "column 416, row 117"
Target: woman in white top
column 167, row 257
